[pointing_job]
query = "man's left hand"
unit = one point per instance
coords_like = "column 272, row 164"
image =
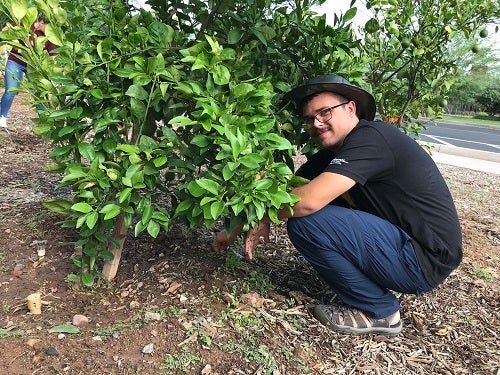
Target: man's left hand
column 262, row 229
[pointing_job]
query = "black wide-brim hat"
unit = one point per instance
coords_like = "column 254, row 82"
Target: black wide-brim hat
column 365, row 102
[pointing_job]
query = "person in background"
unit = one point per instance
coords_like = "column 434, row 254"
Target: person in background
column 376, row 217
column 16, row 67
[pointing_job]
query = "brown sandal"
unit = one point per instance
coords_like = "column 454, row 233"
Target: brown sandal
column 351, row 321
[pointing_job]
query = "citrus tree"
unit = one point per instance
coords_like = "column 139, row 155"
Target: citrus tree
column 178, row 120
column 411, row 71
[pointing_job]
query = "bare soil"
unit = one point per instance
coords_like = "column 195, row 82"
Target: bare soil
column 176, row 307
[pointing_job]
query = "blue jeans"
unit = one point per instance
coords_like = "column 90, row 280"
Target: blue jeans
column 361, row 256
column 13, row 77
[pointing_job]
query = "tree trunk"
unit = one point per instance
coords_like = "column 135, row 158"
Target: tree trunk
column 119, row 233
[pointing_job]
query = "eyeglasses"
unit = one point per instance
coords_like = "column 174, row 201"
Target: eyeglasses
column 322, row 116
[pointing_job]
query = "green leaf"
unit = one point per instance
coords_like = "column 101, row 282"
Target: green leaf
column 134, row 158
column 74, row 174
column 153, row 228
column 234, row 36
column 201, row 140
column 263, row 184
column 54, row 35
column 66, row 130
column 138, row 92
column 182, row 120
column 65, row 328
column 87, row 279
column 97, row 93
column 139, row 227
column 418, row 51
column 124, row 72
column 350, row 14
column 110, row 210
column 213, row 44
column 137, row 108
column 259, row 36
column 208, row 185
column 129, row 149
column 280, row 197
column 87, row 150
column 91, row 220
column 184, row 206
column 106, row 255
column 59, row 114
column 296, row 181
column 159, row 161
column 59, row 206
column 229, row 170
column 195, row 189
column 221, row 75
column 147, row 213
column 82, row 207
column 252, row 160
column 124, row 195
column 19, row 9
column 80, row 221
column 278, row 143
column 242, row 89
column 216, row 209
column 259, row 209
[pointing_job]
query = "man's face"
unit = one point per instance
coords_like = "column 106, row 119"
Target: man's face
column 329, row 118
column 40, row 25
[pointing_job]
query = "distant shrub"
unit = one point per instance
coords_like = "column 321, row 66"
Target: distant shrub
column 485, row 116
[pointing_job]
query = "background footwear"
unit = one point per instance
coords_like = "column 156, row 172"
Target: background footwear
column 3, row 122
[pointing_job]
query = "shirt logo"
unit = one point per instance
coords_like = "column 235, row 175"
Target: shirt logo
column 338, row 162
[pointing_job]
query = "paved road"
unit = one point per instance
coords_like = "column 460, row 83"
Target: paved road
column 468, row 136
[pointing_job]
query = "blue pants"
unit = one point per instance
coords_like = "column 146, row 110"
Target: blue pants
column 13, row 77
column 361, row 256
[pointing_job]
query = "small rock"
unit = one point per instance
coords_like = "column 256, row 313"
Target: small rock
column 32, row 342
column 148, row 349
column 80, row 320
column 97, row 338
column 52, row 351
column 19, row 267
column 61, row 336
column 135, row 304
column 206, row 370
column 152, row 316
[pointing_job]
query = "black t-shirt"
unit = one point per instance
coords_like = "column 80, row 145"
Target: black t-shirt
column 397, row 180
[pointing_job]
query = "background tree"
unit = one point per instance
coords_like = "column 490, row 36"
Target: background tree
column 407, row 41
column 478, row 73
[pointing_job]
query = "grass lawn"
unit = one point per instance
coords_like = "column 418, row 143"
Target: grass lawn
column 471, row 120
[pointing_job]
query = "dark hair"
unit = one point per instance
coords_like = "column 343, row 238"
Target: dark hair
column 42, row 18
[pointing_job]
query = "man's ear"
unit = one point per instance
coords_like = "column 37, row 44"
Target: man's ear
column 351, row 106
